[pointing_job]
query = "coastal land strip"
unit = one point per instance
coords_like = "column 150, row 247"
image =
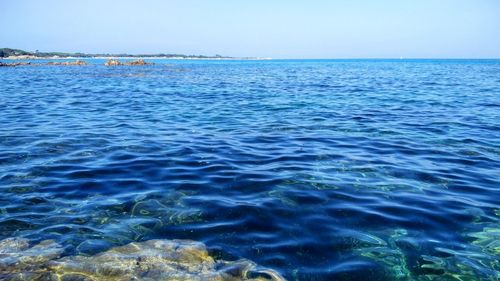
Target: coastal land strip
column 17, row 54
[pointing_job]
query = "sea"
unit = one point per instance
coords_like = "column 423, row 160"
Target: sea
column 317, row 169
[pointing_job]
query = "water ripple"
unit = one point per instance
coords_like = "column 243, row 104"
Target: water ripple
column 321, row 170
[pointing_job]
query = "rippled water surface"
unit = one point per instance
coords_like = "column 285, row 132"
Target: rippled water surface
column 321, row 170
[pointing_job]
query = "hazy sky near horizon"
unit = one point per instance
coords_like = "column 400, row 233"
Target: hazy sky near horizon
column 263, row 28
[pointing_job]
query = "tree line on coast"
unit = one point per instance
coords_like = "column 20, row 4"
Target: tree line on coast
column 8, row 52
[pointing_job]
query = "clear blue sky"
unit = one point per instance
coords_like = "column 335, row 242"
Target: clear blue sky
column 266, row 28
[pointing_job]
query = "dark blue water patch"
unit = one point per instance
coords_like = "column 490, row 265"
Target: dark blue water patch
column 321, row 169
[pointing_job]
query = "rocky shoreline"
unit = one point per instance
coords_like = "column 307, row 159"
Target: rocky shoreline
column 28, row 57
column 110, row 62
column 149, row 260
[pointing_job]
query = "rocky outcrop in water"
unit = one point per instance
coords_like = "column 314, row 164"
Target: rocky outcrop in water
column 112, row 62
column 64, row 63
column 138, row 62
column 12, row 64
column 150, row 260
column 77, row 62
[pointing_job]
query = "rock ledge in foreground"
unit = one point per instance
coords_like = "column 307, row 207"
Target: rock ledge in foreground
column 149, row 260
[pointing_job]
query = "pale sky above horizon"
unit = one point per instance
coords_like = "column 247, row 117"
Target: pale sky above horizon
column 260, row 28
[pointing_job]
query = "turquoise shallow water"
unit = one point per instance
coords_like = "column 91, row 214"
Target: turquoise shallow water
column 319, row 169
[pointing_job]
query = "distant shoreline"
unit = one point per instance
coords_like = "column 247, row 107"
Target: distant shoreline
column 17, row 54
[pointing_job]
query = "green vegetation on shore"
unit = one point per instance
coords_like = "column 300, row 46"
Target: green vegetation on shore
column 7, row 52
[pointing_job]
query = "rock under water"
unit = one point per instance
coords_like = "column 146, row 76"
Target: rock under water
column 149, row 260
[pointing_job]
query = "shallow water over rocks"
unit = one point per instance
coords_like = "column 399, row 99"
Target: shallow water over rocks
column 149, row 260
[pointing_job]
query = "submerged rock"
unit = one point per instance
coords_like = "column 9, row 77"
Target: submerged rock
column 404, row 259
column 150, row 260
column 20, row 261
column 488, row 240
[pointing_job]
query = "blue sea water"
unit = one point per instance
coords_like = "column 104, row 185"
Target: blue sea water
column 319, row 169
